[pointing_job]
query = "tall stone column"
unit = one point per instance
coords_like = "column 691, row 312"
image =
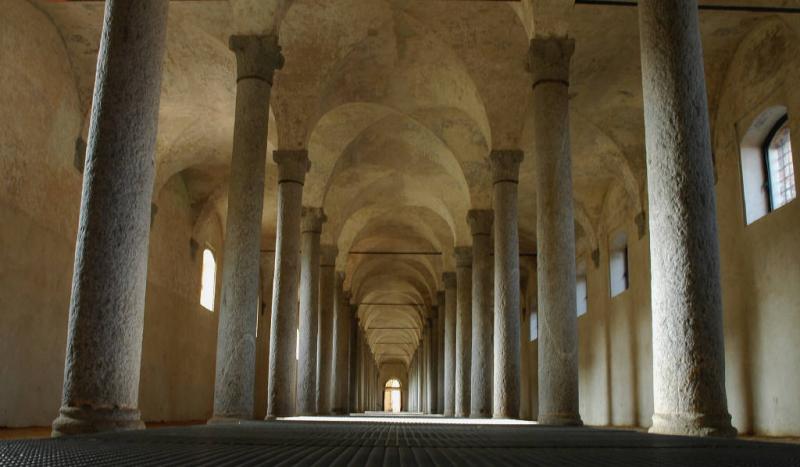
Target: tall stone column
column 480, row 222
column 505, row 174
column 257, row 58
column 449, row 279
column 688, row 350
column 310, row 228
column 292, row 168
column 440, row 308
column 106, row 311
column 429, row 368
column 327, row 287
column 353, row 360
column 555, row 232
column 341, row 325
column 463, row 330
column 432, row 360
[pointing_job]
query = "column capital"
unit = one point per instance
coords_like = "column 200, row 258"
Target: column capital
column 327, row 257
column 463, row 256
column 257, row 57
column 292, row 165
column 311, row 220
column 549, row 59
column 449, row 279
column 480, row 221
column 505, row 164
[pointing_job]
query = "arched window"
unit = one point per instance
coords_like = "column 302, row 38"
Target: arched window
column 777, row 152
column 208, row 280
column 391, row 396
column 581, row 290
column 766, row 160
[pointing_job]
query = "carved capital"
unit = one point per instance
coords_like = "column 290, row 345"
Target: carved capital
column 327, row 257
column 505, row 165
column 292, row 165
column 257, row 57
column 312, row 219
column 449, row 279
column 549, row 59
column 480, row 221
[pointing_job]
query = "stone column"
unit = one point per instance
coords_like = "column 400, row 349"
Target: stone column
column 257, row 58
column 429, row 368
column 106, row 313
column 353, row 360
column 480, row 222
column 688, row 350
column 292, row 168
column 463, row 330
column 506, row 368
column 555, row 232
column 432, row 361
column 311, row 228
column 449, row 279
column 325, row 356
column 266, row 267
column 341, row 325
column 440, row 351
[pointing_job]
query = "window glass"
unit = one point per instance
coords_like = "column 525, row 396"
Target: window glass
column 618, row 263
column 780, row 166
column 533, row 330
column 581, row 296
column 208, row 280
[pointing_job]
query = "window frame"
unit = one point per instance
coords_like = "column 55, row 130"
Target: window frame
column 765, row 148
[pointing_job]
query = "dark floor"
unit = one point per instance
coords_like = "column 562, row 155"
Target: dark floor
column 392, row 443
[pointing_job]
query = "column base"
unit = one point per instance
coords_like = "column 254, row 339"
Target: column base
column 338, row 412
column 693, row 424
column 560, row 419
column 80, row 420
column 480, row 415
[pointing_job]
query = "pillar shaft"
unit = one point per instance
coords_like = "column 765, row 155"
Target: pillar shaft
column 106, row 313
column 311, row 228
column 430, row 383
column 463, row 330
column 257, row 58
column 449, row 344
column 353, row 360
column 480, row 222
column 325, row 360
column 292, row 168
column 440, row 323
column 341, row 326
column 688, row 351
column 555, row 232
column 505, row 173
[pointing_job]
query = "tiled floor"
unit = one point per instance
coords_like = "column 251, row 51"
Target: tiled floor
column 393, row 442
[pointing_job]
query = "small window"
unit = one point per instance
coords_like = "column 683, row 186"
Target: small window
column 618, row 263
column 778, row 161
column 766, row 162
column 208, row 280
column 533, row 330
column 581, row 290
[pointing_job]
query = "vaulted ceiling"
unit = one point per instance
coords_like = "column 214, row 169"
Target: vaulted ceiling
column 399, row 103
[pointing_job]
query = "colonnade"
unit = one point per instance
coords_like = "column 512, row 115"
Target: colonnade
column 337, row 370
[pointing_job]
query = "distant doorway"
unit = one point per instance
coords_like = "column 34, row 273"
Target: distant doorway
column 391, row 396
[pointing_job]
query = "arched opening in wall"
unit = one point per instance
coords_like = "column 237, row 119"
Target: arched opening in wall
column 392, row 401
column 581, row 289
column 618, row 263
column 208, row 280
column 768, row 181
